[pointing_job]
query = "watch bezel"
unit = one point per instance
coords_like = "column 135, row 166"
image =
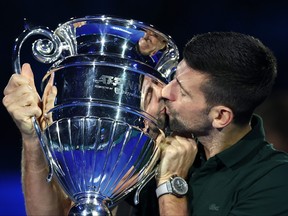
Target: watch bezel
column 175, row 189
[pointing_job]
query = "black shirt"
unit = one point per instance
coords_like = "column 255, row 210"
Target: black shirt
column 249, row 178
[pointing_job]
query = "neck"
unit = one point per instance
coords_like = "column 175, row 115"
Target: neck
column 219, row 140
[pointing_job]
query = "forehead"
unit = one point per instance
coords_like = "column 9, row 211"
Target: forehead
column 182, row 67
column 185, row 71
column 186, row 74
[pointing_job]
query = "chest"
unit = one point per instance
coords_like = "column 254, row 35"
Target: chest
column 212, row 194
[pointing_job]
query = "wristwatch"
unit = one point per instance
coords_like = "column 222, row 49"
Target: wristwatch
column 175, row 185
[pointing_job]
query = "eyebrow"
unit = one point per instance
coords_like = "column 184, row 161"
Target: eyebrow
column 179, row 83
column 181, row 86
column 146, row 99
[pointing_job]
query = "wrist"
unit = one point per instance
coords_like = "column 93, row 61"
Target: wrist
column 162, row 178
column 30, row 142
column 175, row 185
column 33, row 159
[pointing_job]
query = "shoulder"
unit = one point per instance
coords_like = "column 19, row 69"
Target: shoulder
column 266, row 191
column 267, row 169
column 269, row 174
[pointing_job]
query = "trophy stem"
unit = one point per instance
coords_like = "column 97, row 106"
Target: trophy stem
column 91, row 205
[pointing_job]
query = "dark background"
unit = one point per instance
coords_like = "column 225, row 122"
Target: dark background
column 180, row 19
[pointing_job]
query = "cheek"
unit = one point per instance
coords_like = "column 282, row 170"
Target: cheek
column 154, row 108
column 189, row 111
column 152, row 111
column 143, row 44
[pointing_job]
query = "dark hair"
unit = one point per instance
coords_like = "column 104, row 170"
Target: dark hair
column 241, row 70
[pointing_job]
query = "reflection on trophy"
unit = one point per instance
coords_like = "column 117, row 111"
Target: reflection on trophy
column 99, row 135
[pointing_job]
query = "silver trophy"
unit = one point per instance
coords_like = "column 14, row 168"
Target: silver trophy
column 99, row 135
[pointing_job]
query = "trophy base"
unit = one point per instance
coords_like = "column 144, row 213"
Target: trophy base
column 89, row 209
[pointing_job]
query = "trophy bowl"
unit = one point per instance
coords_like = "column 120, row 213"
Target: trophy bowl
column 97, row 160
column 99, row 134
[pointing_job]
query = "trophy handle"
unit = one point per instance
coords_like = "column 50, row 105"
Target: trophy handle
column 46, row 50
column 143, row 183
column 44, row 148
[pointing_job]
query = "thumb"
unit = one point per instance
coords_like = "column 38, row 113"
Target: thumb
column 189, row 143
column 26, row 71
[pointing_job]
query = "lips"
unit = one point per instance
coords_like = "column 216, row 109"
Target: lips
column 163, row 111
column 166, row 110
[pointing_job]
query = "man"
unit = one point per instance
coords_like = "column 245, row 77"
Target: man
column 217, row 144
column 221, row 80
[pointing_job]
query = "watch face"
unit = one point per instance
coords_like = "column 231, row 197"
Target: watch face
column 179, row 186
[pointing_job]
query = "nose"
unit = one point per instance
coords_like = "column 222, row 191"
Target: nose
column 167, row 92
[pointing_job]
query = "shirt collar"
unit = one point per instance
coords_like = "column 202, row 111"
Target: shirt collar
column 247, row 146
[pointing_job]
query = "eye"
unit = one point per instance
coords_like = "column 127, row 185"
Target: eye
column 183, row 92
column 156, row 82
column 148, row 97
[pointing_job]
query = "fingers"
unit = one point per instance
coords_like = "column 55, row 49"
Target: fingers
column 22, row 107
column 160, row 138
column 22, row 100
column 49, row 101
column 189, row 144
column 21, row 97
column 177, row 156
column 48, row 104
column 27, row 73
column 25, row 78
column 49, row 95
column 14, row 82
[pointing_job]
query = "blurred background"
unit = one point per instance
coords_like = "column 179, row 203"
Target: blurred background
column 266, row 20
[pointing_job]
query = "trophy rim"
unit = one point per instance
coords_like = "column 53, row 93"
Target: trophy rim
column 130, row 21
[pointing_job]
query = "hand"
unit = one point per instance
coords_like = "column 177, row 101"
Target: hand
column 22, row 100
column 48, row 98
column 177, row 156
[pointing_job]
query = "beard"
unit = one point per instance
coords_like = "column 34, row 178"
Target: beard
column 200, row 126
column 162, row 121
column 177, row 127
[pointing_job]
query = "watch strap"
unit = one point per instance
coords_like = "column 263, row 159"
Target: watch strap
column 164, row 188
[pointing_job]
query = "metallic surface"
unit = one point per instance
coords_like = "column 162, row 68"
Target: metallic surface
column 99, row 134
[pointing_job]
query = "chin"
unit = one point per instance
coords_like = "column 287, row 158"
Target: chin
column 177, row 129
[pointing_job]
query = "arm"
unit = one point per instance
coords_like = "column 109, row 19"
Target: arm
column 177, row 156
column 172, row 205
column 41, row 197
column 23, row 102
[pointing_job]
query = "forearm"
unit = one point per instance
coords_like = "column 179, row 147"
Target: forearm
column 177, row 156
column 41, row 197
column 172, row 205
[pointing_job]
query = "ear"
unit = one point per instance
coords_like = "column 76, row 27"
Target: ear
column 221, row 116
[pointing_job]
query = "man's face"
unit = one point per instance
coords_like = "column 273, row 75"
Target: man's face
column 185, row 102
column 151, row 100
column 150, row 43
